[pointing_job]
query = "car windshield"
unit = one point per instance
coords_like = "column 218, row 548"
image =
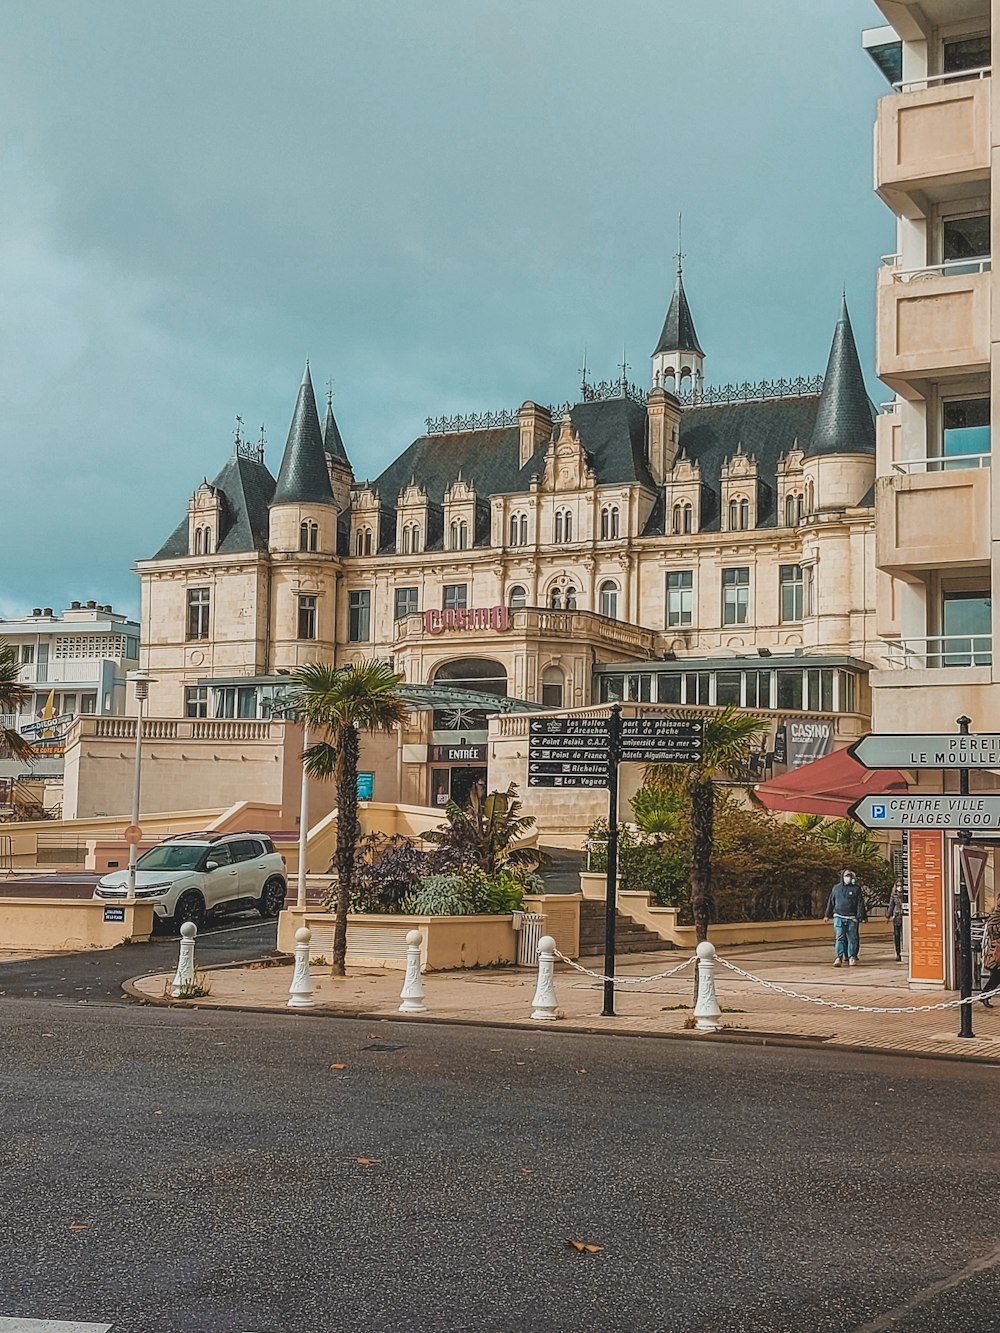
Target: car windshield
column 176, row 856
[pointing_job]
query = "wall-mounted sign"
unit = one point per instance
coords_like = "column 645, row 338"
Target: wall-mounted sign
column 469, row 617
column 807, row 740
column 366, row 786
column 458, row 754
column 114, row 913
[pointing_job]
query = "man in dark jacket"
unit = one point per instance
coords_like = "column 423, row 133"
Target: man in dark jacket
column 846, row 905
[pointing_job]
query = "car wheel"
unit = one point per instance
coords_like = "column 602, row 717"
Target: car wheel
column 190, row 907
column 272, row 898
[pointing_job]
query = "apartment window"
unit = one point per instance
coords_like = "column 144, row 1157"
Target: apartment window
column 965, row 53
column 739, row 513
column 459, row 535
column 794, row 509
column 791, row 592
column 517, row 597
column 966, row 629
column 683, row 519
column 965, row 238
column 198, row 606
column 359, row 611
column 406, row 602
column 195, row 701
column 236, row 701
column 735, row 596
column 965, row 429
column 27, row 654
column 564, row 526
column 307, row 618
column 609, row 599
column 88, row 703
column 455, row 596
column 308, row 537
column 552, row 687
column 680, row 597
column 68, row 703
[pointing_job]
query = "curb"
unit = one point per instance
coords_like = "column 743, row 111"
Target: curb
column 730, row 1037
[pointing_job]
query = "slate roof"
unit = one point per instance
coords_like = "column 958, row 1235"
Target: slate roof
column 845, row 423
column 332, row 442
column 678, row 333
column 303, row 477
column 246, row 487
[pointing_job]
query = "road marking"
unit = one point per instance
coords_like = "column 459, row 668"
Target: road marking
column 50, row 1326
column 892, row 1317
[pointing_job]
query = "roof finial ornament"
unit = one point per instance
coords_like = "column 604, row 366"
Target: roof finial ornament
column 238, row 432
column 329, row 393
column 584, row 385
column 680, row 255
column 624, row 367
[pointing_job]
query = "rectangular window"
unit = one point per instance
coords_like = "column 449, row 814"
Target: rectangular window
column 680, row 597
column 696, row 687
column 965, row 429
column 735, row 596
column 611, row 689
column 198, row 606
column 359, row 613
column 406, row 602
column 791, row 584
column 966, row 627
column 455, row 596
column 965, row 53
column 789, row 690
column 668, row 688
column 196, row 701
column 88, row 703
column 810, row 590
column 27, row 654
column 758, row 689
column 69, row 703
column 847, row 692
column 225, row 701
column 727, row 688
column 307, row 617
column 965, row 238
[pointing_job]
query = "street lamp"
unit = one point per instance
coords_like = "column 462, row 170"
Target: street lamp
column 142, row 681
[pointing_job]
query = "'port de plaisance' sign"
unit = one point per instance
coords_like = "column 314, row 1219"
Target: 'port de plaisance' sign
column 466, row 617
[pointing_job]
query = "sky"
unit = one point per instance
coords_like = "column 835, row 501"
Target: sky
column 440, row 204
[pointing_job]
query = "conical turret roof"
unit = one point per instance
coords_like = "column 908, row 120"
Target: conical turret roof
column 845, row 421
column 678, row 328
column 304, row 478
column 332, row 441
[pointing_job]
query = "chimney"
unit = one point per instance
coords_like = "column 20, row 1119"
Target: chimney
column 48, row 610
column 36, row 610
column 74, row 606
column 91, row 606
column 663, row 412
column 535, row 426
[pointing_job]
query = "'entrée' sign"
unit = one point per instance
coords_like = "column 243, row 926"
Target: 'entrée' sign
column 470, row 617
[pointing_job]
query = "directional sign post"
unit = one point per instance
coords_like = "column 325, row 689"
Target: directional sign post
column 930, row 811
column 661, row 740
column 958, row 750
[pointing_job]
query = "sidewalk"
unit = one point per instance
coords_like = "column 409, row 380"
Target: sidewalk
column 661, row 1008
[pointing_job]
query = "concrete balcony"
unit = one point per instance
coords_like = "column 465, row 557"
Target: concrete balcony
column 930, row 135
column 932, row 519
column 932, row 322
column 528, row 623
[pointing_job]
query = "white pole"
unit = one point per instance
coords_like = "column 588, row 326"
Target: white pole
column 141, row 693
column 184, row 977
column 301, row 989
column 707, row 1011
column 545, row 1006
column 300, row 899
column 412, row 993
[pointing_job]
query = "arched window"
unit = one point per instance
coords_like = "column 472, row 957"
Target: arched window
column 514, row 529
column 517, row 597
column 459, row 533
column 363, row 542
column 552, row 687
column 810, row 497
column 609, row 599
column 739, row 513
column 794, row 506
column 570, row 599
column 614, row 521
column 605, row 523
column 308, row 536
column 411, row 539
column 199, row 541
column 564, row 526
column 683, row 519
column 555, row 599
column 518, row 529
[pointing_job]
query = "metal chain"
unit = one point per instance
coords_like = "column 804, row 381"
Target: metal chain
column 857, row 1008
column 627, row 981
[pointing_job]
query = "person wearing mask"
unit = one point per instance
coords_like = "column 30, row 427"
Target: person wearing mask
column 846, row 905
column 894, row 913
column 991, row 954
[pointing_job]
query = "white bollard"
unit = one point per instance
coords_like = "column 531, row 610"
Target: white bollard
column 301, row 989
column 184, row 977
column 412, row 993
column 707, row 1011
column 544, row 1004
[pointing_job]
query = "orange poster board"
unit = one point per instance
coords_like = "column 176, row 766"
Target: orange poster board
column 927, row 926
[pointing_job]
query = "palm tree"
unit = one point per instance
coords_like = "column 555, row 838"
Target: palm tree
column 483, row 834
column 343, row 701
column 852, row 838
column 729, row 737
column 12, row 695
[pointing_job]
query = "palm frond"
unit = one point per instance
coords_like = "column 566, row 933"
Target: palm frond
column 12, row 692
column 320, row 760
column 15, row 746
column 362, row 695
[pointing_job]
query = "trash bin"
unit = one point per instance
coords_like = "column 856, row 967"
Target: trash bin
column 529, row 927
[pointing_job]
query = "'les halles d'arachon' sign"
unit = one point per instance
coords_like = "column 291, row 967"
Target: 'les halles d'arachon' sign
column 569, row 752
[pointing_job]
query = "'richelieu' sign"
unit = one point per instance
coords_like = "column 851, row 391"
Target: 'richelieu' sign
column 471, row 617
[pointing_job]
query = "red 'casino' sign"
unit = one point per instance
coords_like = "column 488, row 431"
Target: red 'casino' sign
column 471, row 617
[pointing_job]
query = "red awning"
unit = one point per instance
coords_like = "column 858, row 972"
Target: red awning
column 829, row 786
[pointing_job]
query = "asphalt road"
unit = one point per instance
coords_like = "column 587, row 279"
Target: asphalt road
column 168, row 1171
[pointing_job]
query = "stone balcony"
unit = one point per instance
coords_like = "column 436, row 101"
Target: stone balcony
column 932, row 519
column 533, row 623
column 932, row 322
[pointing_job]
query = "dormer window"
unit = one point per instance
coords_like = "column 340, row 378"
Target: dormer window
column 202, row 541
column 609, row 522
column 794, row 509
column 363, row 541
column 518, row 529
column 564, row 525
column 739, row 513
column 683, row 519
column 410, row 539
column 308, row 537
column 459, row 535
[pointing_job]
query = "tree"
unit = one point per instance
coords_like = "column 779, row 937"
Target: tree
column 483, row 834
column 12, row 695
column 343, row 701
column 729, row 737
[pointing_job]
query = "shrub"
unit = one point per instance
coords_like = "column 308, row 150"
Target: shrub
column 386, row 869
column 467, row 892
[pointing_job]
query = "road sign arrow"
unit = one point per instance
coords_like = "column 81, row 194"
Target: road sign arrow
column 954, row 750
column 931, row 811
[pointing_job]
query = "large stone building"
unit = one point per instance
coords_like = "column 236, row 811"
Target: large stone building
column 679, row 544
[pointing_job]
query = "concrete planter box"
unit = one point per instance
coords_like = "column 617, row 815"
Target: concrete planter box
column 58, row 925
column 447, row 942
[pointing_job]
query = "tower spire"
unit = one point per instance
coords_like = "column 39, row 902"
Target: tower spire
column 845, row 421
column 678, row 358
column 303, row 477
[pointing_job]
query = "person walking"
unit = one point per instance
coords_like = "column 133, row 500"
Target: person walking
column 846, row 905
column 991, row 955
column 894, row 913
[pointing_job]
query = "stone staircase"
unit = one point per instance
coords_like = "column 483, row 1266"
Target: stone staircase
column 629, row 937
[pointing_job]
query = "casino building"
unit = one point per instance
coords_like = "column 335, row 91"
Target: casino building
column 678, row 544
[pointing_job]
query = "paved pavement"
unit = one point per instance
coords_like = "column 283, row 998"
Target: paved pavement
column 660, row 1008
column 169, row 1171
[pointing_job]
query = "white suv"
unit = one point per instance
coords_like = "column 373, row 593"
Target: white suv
column 192, row 874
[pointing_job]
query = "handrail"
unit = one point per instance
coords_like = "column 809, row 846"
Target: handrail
column 945, row 651
column 953, row 76
column 950, row 267
column 942, row 463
